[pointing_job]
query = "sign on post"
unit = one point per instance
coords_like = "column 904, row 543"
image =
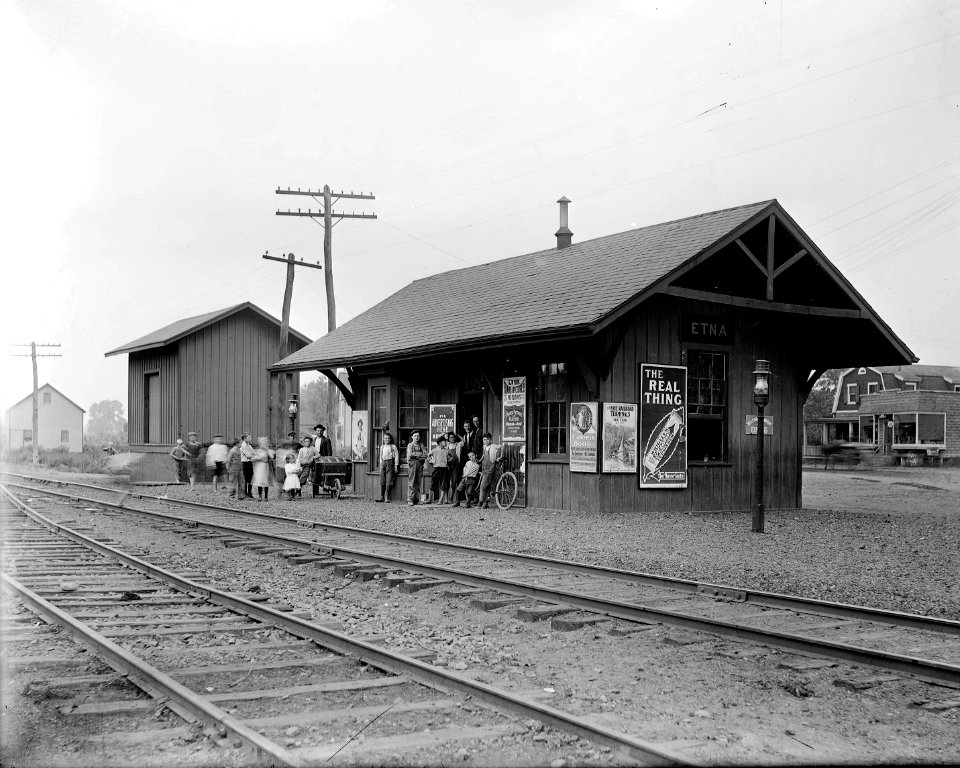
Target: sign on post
column 514, row 409
column 663, row 434
column 583, row 437
column 751, row 425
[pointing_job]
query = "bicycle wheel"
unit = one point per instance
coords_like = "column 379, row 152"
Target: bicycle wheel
column 506, row 491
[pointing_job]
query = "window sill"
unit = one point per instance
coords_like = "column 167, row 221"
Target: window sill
column 709, row 464
column 550, row 460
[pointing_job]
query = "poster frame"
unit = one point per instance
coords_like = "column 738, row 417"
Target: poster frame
column 664, row 421
column 606, row 466
column 593, row 407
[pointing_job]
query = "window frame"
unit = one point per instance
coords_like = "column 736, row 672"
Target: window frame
column 872, row 387
column 47, row 398
column 557, row 417
column 723, row 417
column 64, row 435
column 853, row 391
column 423, row 429
column 377, row 429
column 910, row 386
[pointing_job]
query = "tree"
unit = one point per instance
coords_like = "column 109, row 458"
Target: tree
column 316, row 408
column 819, row 404
column 106, row 423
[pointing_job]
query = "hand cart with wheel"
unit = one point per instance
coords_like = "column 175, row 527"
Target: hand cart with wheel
column 333, row 473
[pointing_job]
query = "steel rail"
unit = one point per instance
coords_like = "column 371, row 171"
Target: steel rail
column 434, row 677
column 924, row 669
column 751, row 596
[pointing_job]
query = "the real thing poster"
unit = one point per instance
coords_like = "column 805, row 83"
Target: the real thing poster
column 663, row 421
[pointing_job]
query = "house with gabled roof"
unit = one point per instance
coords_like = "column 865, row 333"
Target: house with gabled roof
column 564, row 348
column 903, row 412
column 207, row 374
column 59, row 422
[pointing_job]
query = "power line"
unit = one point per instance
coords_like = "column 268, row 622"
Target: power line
column 36, row 409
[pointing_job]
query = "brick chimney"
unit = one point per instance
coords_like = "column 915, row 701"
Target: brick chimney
column 564, row 235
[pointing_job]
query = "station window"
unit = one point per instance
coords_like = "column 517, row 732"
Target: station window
column 551, row 410
column 872, row 387
column 852, row 394
column 47, row 398
column 379, row 420
column 64, row 435
column 413, row 416
column 706, row 406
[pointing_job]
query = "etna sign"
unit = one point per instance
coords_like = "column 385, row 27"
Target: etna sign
column 706, row 330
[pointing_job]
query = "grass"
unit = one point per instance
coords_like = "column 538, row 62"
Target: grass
column 91, row 459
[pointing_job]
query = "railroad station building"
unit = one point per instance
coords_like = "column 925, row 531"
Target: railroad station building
column 901, row 413
column 617, row 372
column 206, row 374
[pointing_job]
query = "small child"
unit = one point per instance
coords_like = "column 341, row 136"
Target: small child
column 234, row 473
column 291, row 483
column 180, row 459
column 471, row 472
column 440, row 479
column 217, row 459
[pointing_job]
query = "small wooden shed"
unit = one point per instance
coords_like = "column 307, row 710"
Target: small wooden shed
column 206, row 374
column 617, row 371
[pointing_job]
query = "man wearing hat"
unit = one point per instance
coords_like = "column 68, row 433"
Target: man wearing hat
column 321, row 442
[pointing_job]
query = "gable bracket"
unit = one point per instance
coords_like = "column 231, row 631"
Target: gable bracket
column 753, row 258
column 349, row 396
column 589, row 374
column 790, row 262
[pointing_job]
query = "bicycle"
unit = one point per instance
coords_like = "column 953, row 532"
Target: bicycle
column 505, row 485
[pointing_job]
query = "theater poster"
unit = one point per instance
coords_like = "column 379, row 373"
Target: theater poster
column 583, row 437
column 443, row 419
column 514, row 409
column 619, row 437
column 358, row 434
column 663, row 426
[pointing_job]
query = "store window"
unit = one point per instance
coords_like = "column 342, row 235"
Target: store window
column 868, row 429
column 851, row 394
column 706, row 406
column 64, row 435
column 379, row 420
column 904, row 429
column 551, row 410
column 413, row 415
column 932, row 428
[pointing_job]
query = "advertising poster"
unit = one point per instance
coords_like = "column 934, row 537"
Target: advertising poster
column 358, row 429
column 443, row 419
column 663, row 420
column 619, row 437
column 583, row 437
column 514, row 409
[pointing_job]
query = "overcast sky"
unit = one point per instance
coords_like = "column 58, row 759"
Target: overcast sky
column 144, row 142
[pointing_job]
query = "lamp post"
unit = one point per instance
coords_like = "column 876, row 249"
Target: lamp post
column 761, row 396
column 292, row 410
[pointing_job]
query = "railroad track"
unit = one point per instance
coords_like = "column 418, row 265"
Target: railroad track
column 215, row 658
column 569, row 593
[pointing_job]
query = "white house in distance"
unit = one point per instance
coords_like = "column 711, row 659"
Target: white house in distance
column 60, row 421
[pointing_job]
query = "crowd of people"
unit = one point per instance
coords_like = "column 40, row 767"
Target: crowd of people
column 243, row 464
column 462, row 466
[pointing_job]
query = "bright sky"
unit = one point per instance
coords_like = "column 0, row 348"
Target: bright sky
column 144, row 143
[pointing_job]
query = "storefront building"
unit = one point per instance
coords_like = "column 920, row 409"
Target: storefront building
column 617, row 372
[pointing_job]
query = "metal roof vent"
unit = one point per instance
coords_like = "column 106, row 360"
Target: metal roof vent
column 564, row 235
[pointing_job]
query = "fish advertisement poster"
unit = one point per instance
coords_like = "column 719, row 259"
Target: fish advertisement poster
column 663, row 426
column 583, row 437
column 619, row 437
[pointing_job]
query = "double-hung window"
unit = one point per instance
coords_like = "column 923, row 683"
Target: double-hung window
column 706, row 406
column 551, row 410
column 413, row 416
column 379, row 419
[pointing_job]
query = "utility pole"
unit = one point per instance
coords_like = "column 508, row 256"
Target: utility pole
column 36, row 409
column 328, row 215
column 285, row 378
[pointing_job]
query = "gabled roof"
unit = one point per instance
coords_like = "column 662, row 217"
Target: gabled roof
column 181, row 328
column 558, row 293
column 40, row 389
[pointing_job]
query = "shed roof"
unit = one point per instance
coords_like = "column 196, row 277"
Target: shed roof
column 558, row 293
column 41, row 388
column 181, row 328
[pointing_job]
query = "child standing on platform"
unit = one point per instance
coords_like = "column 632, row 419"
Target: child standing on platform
column 440, row 479
column 291, row 483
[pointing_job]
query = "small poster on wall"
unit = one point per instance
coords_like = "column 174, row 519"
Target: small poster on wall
column 358, row 428
column 663, row 435
column 443, row 419
column 619, row 437
column 583, row 437
column 514, row 409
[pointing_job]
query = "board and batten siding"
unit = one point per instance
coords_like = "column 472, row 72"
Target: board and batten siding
column 161, row 361
column 653, row 336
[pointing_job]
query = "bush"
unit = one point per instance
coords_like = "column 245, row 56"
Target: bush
column 92, row 459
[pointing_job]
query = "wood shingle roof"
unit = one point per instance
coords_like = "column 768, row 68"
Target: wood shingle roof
column 559, row 291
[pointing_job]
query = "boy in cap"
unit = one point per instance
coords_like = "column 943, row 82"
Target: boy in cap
column 468, row 486
column 440, row 478
column 416, row 455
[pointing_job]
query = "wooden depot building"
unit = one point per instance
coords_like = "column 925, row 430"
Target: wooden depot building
column 617, row 372
column 207, row 374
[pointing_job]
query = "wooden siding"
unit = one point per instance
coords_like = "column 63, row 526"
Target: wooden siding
column 164, row 361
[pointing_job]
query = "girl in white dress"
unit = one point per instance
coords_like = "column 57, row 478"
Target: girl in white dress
column 291, row 483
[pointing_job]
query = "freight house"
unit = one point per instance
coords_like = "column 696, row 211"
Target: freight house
column 618, row 372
